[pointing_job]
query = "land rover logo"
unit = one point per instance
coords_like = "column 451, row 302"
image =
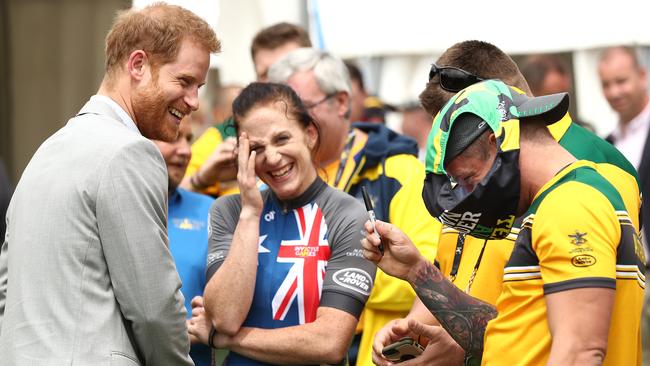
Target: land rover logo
column 354, row 279
column 583, row 260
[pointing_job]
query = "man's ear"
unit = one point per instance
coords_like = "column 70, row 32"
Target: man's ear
column 344, row 104
column 137, row 64
column 492, row 139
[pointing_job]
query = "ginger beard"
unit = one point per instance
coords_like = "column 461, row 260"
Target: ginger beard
column 152, row 112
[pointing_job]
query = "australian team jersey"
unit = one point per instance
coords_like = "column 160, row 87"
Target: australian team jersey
column 309, row 255
column 577, row 233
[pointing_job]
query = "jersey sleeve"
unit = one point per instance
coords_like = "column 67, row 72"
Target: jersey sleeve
column 349, row 277
column 222, row 221
column 575, row 234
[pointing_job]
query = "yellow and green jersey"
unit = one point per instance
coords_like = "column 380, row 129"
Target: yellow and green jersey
column 578, row 233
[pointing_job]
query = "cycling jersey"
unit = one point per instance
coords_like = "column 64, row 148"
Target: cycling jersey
column 309, row 255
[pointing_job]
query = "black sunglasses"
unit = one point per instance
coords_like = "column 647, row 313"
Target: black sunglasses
column 453, row 79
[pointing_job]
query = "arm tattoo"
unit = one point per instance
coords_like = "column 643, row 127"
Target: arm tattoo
column 461, row 315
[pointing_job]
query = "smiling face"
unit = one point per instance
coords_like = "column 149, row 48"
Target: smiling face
column 624, row 84
column 169, row 92
column 283, row 149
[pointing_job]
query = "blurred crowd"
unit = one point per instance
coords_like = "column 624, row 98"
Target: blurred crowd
column 282, row 222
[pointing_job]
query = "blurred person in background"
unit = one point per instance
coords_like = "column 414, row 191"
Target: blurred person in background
column 363, row 154
column 473, row 264
column 86, row 276
column 222, row 102
column 625, row 85
column 199, row 119
column 548, row 73
column 416, row 123
column 286, row 281
column 212, row 169
column 187, row 224
column 364, row 107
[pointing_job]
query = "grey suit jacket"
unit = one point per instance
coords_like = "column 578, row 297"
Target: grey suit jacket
column 86, row 276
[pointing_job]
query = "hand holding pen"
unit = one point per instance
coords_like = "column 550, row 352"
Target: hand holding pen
column 371, row 215
column 391, row 250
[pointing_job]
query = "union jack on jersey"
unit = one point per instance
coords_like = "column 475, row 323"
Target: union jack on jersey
column 309, row 254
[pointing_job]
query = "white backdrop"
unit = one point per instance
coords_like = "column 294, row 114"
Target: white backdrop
column 407, row 35
column 388, row 27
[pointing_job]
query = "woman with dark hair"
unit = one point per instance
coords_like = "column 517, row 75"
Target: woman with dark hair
column 286, row 279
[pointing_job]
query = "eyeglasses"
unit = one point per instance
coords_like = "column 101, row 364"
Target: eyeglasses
column 453, row 79
column 312, row 105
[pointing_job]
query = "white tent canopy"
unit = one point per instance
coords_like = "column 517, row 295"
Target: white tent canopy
column 389, row 27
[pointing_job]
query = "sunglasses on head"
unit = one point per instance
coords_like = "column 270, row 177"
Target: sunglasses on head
column 453, row 79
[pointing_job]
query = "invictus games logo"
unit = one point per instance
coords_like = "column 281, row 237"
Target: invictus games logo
column 578, row 238
column 354, row 279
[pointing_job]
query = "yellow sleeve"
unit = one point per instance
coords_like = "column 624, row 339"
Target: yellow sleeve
column 202, row 148
column 575, row 235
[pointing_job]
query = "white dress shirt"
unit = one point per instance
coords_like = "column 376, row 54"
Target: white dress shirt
column 632, row 142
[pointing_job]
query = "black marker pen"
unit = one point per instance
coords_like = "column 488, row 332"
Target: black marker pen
column 371, row 214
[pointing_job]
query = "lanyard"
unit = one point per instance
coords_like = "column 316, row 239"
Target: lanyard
column 457, row 254
column 345, row 155
column 460, row 243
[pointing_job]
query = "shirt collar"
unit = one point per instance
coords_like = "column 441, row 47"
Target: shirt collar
column 126, row 119
column 641, row 120
column 308, row 196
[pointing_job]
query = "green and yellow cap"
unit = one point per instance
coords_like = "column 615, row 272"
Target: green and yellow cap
column 495, row 103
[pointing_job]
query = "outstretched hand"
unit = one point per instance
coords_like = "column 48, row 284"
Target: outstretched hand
column 400, row 255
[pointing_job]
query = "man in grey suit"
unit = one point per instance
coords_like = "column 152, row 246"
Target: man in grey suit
column 86, row 276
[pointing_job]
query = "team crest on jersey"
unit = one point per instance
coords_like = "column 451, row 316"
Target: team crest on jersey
column 308, row 253
column 578, row 238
